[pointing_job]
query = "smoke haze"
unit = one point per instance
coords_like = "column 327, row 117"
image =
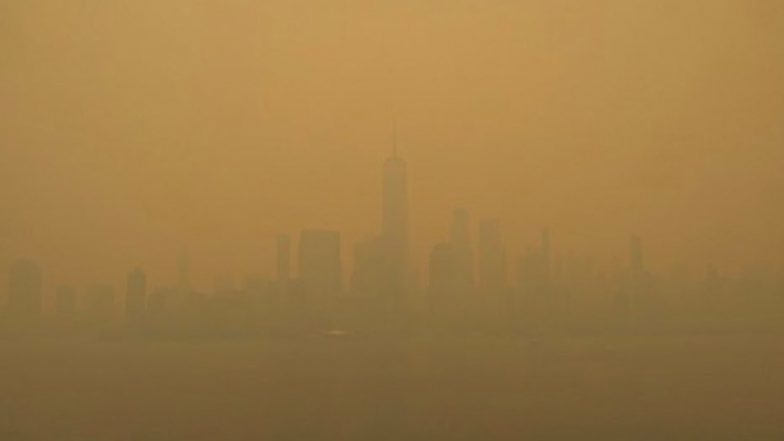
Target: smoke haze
column 131, row 131
column 391, row 220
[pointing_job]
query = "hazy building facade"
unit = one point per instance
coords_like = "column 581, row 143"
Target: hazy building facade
column 460, row 238
column 395, row 230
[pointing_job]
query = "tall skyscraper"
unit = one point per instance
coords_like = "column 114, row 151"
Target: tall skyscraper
column 25, row 282
column 492, row 258
column 395, row 203
column 394, row 229
column 319, row 266
column 460, row 238
column 136, row 295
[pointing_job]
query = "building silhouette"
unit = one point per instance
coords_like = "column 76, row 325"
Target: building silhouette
column 394, row 240
column 25, row 281
column 552, row 289
column 460, row 238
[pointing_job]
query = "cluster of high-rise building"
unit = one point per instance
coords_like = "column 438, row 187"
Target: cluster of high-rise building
column 468, row 284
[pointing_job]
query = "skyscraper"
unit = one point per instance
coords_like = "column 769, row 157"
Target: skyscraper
column 395, row 203
column 319, row 266
column 394, row 229
column 460, row 238
column 136, row 295
column 25, row 289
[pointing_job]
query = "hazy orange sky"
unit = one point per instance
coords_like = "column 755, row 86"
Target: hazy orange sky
column 129, row 130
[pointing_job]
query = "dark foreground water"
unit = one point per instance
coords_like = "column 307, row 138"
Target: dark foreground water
column 374, row 388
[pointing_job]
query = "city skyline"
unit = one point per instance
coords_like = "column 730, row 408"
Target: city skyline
column 595, row 124
column 393, row 242
column 468, row 273
column 391, row 220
